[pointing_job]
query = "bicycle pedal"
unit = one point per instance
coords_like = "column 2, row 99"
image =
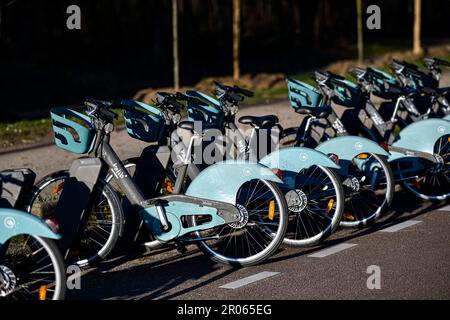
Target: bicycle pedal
column 181, row 248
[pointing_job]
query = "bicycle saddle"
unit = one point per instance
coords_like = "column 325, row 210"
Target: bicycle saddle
column 263, row 122
column 318, row 112
column 190, row 125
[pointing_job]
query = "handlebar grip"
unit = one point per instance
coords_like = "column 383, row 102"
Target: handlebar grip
column 108, row 115
column 236, row 97
column 243, row 91
column 123, row 104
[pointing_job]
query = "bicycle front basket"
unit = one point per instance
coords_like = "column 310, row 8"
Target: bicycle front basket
column 73, row 130
column 381, row 82
column 346, row 93
column 303, row 95
column 208, row 111
column 145, row 123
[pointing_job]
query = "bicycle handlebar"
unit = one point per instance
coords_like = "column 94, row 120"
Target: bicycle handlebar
column 234, row 93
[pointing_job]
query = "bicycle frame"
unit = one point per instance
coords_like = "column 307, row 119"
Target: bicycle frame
column 162, row 215
column 415, row 141
column 290, row 161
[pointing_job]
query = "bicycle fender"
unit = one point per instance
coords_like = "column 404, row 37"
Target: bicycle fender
column 422, row 135
column 348, row 147
column 297, row 158
column 447, row 117
column 222, row 181
column 14, row 222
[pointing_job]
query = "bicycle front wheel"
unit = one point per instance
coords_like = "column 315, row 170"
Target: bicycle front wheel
column 99, row 229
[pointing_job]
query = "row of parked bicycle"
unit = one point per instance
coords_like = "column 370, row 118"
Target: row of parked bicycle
column 337, row 168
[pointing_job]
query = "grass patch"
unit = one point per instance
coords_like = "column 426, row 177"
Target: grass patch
column 24, row 131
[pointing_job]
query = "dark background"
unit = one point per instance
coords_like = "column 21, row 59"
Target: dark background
column 124, row 46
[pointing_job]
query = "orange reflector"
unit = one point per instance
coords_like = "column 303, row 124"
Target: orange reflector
column 348, row 216
column 416, row 184
column 448, row 139
column 43, row 293
column 271, row 209
column 58, row 188
column 169, row 187
column 362, row 156
column 329, row 206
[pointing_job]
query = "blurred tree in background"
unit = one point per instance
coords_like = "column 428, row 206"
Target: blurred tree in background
column 126, row 45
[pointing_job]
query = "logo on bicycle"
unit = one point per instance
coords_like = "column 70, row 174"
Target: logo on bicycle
column 303, row 157
column 441, row 129
column 247, row 172
column 359, row 146
column 118, row 173
column 9, row 222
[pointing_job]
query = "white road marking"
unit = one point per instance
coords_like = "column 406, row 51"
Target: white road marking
column 332, row 250
column 446, row 208
column 400, row 226
column 247, row 280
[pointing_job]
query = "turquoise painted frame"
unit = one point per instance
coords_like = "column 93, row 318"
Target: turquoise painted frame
column 222, row 180
column 15, row 222
column 420, row 136
column 219, row 182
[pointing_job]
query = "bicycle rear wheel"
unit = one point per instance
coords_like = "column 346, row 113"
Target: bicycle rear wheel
column 31, row 268
column 432, row 183
column 259, row 232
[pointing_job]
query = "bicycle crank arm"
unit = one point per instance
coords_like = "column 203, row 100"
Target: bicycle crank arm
column 228, row 212
column 190, row 240
column 408, row 178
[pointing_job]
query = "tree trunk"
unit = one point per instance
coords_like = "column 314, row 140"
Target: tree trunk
column 176, row 61
column 236, row 38
column 1, row 6
column 417, row 46
column 359, row 27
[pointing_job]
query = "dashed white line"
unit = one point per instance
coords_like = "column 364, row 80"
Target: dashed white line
column 400, row 226
column 247, row 280
column 332, row 250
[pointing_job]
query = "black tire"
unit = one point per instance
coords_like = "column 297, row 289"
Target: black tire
column 275, row 237
column 19, row 257
column 107, row 196
column 364, row 206
column 433, row 183
column 322, row 210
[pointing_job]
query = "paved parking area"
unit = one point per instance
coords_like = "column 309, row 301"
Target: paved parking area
column 410, row 249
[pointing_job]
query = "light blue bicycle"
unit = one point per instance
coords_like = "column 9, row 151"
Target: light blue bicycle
column 31, row 266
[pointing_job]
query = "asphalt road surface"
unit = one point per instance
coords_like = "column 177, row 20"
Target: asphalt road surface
column 408, row 249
